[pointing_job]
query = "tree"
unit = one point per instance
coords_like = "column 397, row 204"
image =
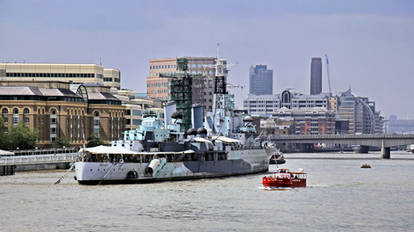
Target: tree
column 94, row 141
column 61, row 142
column 4, row 138
column 22, row 137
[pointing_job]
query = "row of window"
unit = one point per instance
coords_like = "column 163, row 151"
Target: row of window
column 5, row 112
column 278, row 106
column 162, row 84
column 69, row 75
column 15, row 111
column 42, row 98
column 207, row 74
column 163, row 66
column 158, row 91
column 110, row 79
column 175, row 66
column 293, row 102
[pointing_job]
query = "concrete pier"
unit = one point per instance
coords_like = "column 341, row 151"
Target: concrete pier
column 386, row 152
column 7, row 170
column 361, row 149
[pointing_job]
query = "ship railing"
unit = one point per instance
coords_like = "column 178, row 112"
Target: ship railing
column 44, row 151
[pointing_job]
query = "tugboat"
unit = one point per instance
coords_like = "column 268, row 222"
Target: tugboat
column 284, row 178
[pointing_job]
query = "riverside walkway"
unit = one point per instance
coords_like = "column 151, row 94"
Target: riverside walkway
column 48, row 156
column 39, row 159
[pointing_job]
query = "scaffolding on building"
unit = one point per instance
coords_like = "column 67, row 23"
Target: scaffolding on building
column 181, row 89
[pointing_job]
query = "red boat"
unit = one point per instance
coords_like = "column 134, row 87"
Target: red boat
column 285, row 178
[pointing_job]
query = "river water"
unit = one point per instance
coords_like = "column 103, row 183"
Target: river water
column 340, row 197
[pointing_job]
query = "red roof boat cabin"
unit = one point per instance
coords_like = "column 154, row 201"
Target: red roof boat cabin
column 285, row 178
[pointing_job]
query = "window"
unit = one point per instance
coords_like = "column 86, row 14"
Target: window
column 26, row 112
column 15, row 116
column 137, row 112
column 5, row 113
column 53, row 125
column 96, row 123
column 136, row 122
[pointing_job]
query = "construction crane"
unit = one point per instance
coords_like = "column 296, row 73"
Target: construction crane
column 328, row 74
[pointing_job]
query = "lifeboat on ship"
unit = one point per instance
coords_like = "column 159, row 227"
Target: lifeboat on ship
column 284, row 178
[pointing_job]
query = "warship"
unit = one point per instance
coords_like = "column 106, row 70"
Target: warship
column 220, row 143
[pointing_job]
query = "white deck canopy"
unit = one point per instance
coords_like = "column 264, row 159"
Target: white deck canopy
column 3, row 152
column 123, row 151
column 108, row 150
column 202, row 140
column 226, row 139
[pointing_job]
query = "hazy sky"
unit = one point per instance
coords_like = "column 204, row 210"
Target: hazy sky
column 370, row 43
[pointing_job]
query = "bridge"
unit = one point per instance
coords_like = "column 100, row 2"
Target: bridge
column 383, row 141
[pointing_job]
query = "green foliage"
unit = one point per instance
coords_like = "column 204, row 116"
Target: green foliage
column 94, row 141
column 4, row 139
column 61, row 142
column 3, row 129
column 22, row 137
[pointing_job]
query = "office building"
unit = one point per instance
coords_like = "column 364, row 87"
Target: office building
column 309, row 121
column 260, row 80
column 202, row 89
column 74, row 73
column 360, row 112
column 267, row 104
column 316, row 76
column 135, row 105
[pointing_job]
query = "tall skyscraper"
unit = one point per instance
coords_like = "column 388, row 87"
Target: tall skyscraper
column 261, row 80
column 316, row 76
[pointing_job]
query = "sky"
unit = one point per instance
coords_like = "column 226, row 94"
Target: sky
column 370, row 44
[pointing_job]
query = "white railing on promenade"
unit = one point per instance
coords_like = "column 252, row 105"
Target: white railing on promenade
column 39, row 159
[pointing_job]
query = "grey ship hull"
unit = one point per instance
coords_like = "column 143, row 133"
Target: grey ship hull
column 241, row 162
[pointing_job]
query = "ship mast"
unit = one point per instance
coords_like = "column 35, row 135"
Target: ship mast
column 221, row 125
